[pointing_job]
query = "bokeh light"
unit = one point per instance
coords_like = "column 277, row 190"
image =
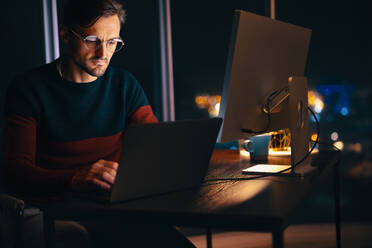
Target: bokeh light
column 339, row 145
column 212, row 103
column 315, row 101
column 334, row 136
column 344, row 111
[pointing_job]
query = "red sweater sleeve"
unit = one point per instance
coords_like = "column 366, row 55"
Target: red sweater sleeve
column 22, row 172
column 143, row 114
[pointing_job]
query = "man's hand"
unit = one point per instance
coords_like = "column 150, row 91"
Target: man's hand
column 100, row 175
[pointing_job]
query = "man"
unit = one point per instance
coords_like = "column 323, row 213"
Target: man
column 64, row 120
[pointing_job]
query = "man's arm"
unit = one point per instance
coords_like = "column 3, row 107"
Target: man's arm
column 136, row 102
column 25, row 176
column 143, row 114
column 22, row 172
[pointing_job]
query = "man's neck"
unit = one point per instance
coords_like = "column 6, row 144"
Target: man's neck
column 72, row 72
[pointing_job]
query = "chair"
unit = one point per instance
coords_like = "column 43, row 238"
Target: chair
column 11, row 221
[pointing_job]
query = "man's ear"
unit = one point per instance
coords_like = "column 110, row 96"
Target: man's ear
column 63, row 34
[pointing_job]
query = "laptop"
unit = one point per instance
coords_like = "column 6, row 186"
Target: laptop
column 163, row 157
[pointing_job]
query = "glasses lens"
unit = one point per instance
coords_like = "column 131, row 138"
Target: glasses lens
column 119, row 45
column 92, row 42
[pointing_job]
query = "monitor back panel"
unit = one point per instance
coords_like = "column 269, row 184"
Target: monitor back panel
column 263, row 54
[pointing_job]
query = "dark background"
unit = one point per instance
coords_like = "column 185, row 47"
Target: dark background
column 339, row 58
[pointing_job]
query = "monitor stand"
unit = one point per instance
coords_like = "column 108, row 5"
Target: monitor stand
column 299, row 128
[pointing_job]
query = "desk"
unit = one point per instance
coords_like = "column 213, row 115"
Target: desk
column 262, row 205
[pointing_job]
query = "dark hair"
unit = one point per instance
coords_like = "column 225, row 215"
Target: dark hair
column 84, row 13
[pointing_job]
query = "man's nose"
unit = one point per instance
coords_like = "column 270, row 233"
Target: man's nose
column 101, row 50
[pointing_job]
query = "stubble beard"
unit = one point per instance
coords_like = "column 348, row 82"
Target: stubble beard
column 97, row 70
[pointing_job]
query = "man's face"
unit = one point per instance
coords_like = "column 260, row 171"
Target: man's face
column 94, row 61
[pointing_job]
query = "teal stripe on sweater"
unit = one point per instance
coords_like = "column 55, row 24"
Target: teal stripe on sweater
column 67, row 111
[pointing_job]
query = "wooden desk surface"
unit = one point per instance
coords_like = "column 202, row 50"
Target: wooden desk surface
column 261, row 204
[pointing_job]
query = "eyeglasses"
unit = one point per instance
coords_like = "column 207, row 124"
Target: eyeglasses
column 93, row 42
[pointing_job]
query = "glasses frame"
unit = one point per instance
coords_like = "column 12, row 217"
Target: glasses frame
column 100, row 41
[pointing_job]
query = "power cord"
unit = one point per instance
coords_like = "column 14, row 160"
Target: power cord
column 267, row 103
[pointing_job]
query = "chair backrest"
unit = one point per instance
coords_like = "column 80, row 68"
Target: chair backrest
column 2, row 167
column 11, row 221
column 3, row 187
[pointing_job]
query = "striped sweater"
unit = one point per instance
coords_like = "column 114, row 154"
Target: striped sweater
column 54, row 126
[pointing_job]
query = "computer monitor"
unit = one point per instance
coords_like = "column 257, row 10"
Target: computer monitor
column 265, row 56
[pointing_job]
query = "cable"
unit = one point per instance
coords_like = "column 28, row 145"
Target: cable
column 330, row 145
column 279, row 172
column 268, row 100
column 244, row 130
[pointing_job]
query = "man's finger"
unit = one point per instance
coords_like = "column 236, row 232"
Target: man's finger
column 110, row 164
column 101, row 184
column 102, row 170
column 110, row 171
column 108, row 177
